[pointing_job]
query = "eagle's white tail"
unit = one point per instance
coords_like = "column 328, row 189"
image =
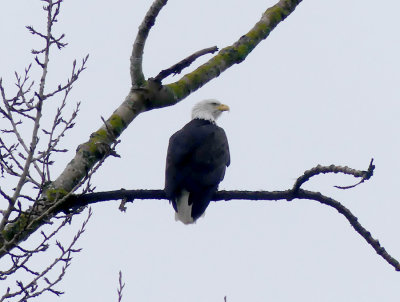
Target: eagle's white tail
column 184, row 213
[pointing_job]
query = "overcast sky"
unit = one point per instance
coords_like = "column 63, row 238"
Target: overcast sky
column 322, row 89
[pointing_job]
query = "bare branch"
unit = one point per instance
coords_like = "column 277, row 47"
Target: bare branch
column 130, row 195
column 353, row 220
column 137, row 77
column 365, row 175
column 178, row 67
column 5, row 196
column 34, row 138
column 43, row 211
column 34, row 288
column 74, row 77
column 54, row 139
column 289, row 195
column 15, row 220
column 121, row 286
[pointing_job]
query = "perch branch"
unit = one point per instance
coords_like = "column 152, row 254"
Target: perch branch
column 295, row 193
column 289, row 195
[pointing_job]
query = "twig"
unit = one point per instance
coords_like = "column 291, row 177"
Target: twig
column 34, row 136
column 41, row 212
column 31, row 289
column 74, row 77
column 120, row 287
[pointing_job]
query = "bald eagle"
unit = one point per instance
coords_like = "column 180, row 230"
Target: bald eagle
column 197, row 157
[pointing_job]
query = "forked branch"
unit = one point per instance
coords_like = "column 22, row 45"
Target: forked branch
column 295, row 193
column 365, row 175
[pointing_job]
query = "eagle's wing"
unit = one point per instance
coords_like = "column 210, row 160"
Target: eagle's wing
column 180, row 148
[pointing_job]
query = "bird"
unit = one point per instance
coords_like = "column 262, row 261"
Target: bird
column 197, row 158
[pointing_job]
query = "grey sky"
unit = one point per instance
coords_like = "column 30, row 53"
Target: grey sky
column 322, row 89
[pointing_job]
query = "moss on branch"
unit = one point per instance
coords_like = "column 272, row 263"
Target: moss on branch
column 235, row 53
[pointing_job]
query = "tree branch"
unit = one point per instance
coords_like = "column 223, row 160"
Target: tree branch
column 289, row 195
column 51, row 15
column 178, row 67
column 40, row 283
column 137, row 77
column 235, row 53
column 365, row 175
column 353, row 220
column 121, row 286
column 77, row 201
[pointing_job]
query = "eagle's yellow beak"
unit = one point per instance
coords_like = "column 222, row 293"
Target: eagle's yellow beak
column 223, row 107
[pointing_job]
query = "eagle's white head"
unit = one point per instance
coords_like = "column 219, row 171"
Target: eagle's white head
column 208, row 110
